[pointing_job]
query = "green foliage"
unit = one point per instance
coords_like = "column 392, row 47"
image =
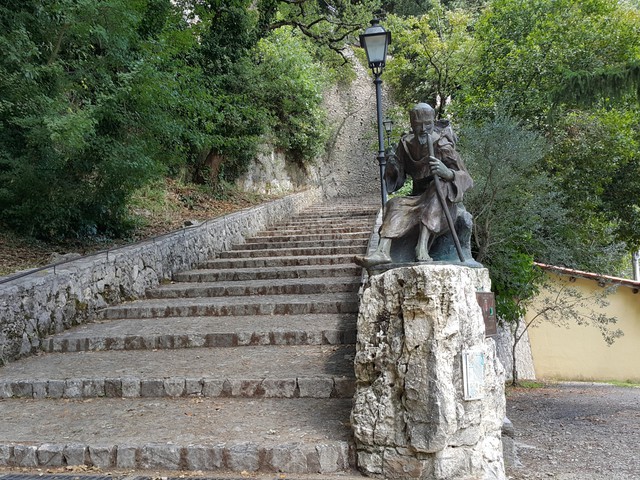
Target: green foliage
column 100, row 98
column 431, row 55
column 626, row 384
column 596, row 159
column 408, row 8
column 328, row 25
column 70, row 123
column 514, row 205
column 405, row 190
column 527, row 49
column 292, row 86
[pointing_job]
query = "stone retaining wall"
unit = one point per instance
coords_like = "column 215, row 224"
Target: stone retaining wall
column 51, row 300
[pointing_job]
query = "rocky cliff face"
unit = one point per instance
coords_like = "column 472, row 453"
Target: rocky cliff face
column 349, row 167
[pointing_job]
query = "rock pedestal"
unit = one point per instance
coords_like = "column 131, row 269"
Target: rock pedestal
column 429, row 400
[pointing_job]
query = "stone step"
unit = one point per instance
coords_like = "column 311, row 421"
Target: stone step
column 309, row 238
column 309, row 371
column 347, row 210
column 246, row 365
column 293, row 286
column 287, row 230
column 346, row 302
column 290, row 243
column 247, row 435
column 273, row 262
column 265, row 273
column 369, row 204
column 193, row 332
column 337, row 216
column 325, row 223
column 295, row 252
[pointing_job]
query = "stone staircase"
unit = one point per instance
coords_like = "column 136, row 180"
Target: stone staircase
column 243, row 365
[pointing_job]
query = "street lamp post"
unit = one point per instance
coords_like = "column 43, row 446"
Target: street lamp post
column 375, row 41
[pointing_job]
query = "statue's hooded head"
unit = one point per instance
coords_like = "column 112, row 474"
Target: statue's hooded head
column 422, row 118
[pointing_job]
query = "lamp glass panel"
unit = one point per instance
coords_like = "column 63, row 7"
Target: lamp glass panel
column 376, row 46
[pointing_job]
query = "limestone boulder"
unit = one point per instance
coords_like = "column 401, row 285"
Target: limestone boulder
column 412, row 416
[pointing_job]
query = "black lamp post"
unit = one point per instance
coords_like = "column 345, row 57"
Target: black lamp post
column 375, row 41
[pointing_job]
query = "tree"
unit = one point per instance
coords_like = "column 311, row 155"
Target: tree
column 517, row 209
column 519, row 217
column 73, row 142
column 596, row 161
column 100, row 98
column 431, row 55
column 557, row 302
column 528, row 48
column 293, row 83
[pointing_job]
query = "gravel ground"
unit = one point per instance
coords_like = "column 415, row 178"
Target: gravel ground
column 576, row 431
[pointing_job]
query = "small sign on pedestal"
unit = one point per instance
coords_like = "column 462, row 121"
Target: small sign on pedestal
column 473, row 374
column 487, row 302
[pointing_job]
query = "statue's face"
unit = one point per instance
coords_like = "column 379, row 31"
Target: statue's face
column 422, row 122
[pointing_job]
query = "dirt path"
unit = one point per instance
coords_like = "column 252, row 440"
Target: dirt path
column 576, row 431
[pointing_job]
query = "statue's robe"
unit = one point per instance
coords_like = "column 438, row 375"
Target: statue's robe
column 402, row 214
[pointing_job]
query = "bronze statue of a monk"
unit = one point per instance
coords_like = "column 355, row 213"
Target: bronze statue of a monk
column 427, row 152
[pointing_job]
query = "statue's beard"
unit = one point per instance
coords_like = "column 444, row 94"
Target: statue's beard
column 423, row 138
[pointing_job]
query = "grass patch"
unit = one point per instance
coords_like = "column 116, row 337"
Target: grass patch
column 522, row 387
column 530, row 384
column 626, row 383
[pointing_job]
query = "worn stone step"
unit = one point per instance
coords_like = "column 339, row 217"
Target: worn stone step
column 343, row 210
column 295, row 252
column 337, row 215
column 309, row 238
column 267, row 273
column 346, row 302
column 193, row 434
column 293, row 286
column 290, row 243
column 354, row 208
column 324, row 223
column 273, row 262
column 286, row 231
column 193, row 332
column 309, row 371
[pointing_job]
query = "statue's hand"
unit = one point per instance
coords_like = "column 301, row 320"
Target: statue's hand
column 440, row 169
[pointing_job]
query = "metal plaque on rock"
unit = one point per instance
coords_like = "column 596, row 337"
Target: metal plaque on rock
column 487, row 302
column 473, row 374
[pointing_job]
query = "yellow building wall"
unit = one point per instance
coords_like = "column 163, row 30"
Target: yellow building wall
column 580, row 352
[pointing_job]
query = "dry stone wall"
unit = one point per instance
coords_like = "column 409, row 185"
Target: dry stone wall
column 524, row 357
column 53, row 299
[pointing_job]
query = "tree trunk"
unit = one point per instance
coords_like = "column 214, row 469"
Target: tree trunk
column 514, row 365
